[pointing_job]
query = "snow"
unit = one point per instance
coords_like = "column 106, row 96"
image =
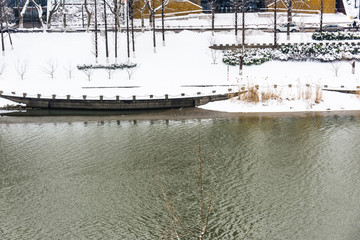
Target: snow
column 184, row 63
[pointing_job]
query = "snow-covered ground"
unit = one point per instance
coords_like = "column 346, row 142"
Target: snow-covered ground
column 184, row 60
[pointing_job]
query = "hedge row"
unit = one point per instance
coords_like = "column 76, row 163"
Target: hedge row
column 298, row 52
column 335, row 36
column 111, row 66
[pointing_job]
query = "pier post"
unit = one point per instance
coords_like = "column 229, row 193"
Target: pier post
column 24, row 95
column 39, row 96
column 166, row 96
column 68, row 97
column 151, row 96
column 134, row 98
column 117, row 98
column 84, row 97
column 101, row 97
column 53, row 96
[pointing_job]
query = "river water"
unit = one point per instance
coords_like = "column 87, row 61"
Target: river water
column 267, row 178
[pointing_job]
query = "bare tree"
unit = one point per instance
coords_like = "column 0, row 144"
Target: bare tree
column 140, row 6
column 40, row 12
column 69, row 68
column 236, row 9
column 131, row 71
column 63, row 12
column 322, row 13
column 54, row 7
column 115, row 10
column 212, row 4
column 290, row 5
column 89, row 14
column 152, row 10
column 215, row 54
column 21, row 67
column 50, row 68
column 2, row 3
column 22, row 13
column 2, row 68
column 110, row 72
column 275, row 24
column 88, row 72
column 96, row 33
column 106, row 34
column 335, row 67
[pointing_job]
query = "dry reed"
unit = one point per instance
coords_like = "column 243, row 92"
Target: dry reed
column 251, row 95
column 318, row 94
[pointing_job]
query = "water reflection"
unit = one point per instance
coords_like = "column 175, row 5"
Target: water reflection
column 283, row 178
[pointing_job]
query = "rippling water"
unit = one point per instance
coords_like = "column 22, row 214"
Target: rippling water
column 276, row 178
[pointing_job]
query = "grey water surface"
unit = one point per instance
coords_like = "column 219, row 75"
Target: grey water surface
column 268, row 178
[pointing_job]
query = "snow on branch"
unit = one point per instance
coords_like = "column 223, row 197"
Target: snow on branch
column 111, row 66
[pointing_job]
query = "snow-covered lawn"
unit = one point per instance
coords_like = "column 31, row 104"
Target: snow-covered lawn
column 184, row 60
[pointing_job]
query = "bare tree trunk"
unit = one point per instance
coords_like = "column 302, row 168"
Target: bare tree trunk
column 1, row 25
column 88, row 12
column 21, row 15
column 106, row 34
column 243, row 22
column 132, row 26
column 243, row 37
column 51, row 13
column 7, row 25
column 18, row 8
column 162, row 21
column 64, row 14
column 116, row 29
column 40, row 13
column 127, row 30
column 288, row 23
column 275, row 30
column 236, row 16
column 322, row 13
column 153, row 19
column 96, row 34
column 213, row 16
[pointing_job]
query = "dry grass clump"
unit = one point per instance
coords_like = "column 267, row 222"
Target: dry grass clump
column 318, row 94
column 270, row 95
column 251, row 95
column 307, row 93
column 357, row 92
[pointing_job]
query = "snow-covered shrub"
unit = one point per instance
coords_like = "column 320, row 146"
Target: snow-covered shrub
column 111, row 66
column 251, row 56
column 299, row 52
column 335, row 36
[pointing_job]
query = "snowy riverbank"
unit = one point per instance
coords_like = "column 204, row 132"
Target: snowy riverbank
column 184, row 61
